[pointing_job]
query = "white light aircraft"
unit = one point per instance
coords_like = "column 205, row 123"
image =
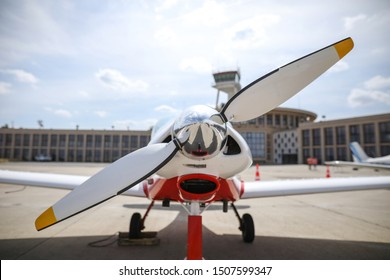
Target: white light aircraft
column 362, row 160
column 194, row 160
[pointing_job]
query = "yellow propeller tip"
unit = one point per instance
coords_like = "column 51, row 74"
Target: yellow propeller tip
column 344, row 47
column 46, row 219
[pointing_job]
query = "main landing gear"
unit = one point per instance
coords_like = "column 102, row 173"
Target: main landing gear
column 246, row 225
column 137, row 223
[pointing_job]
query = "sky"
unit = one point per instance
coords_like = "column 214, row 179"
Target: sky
column 126, row 64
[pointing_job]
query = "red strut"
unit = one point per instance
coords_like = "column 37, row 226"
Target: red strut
column 194, row 239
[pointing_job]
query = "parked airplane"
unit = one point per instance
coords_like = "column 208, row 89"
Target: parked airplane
column 194, row 160
column 362, row 160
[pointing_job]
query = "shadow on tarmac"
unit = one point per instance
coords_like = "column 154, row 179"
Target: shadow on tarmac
column 173, row 246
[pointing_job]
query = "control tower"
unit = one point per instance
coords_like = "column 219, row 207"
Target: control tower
column 227, row 82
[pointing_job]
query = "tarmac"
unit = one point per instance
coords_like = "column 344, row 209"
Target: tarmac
column 333, row 226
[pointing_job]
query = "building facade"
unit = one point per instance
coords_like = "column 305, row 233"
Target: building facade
column 329, row 140
column 70, row 145
column 282, row 136
column 259, row 133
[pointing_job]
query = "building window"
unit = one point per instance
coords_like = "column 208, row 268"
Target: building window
column 61, row 155
column 26, row 140
column 340, row 135
column 260, row 120
column 80, row 141
column 98, row 143
column 71, row 141
column 256, row 143
column 107, row 141
column 341, row 153
column 306, row 154
column 329, row 155
column 328, row 135
column 269, row 120
column 143, row 141
column 306, row 137
column 277, row 120
column 71, row 156
column 107, row 156
column 284, row 120
column 97, row 156
column 115, row 155
column 384, row 133
column 369, row 133
column 53, row 140
column 79, row 155
column 317, row 154
column 133, row 142
column 89, row 141
column 45, row 140
column 316, row 137
column 62, row 140
column 370, row 151
column 115, row 140
column 36, row 140
column 18, row 140
column 125, row 141
column 354, row 133
column 88, row 154
column 385, row 150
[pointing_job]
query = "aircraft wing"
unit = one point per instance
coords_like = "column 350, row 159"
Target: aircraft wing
column 311, row 186
column 358, row 164
column 49, row 180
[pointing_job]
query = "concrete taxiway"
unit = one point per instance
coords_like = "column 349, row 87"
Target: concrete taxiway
column 347, row 225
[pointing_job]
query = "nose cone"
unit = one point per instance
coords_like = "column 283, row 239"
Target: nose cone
column 206, row 130
column 203, row 140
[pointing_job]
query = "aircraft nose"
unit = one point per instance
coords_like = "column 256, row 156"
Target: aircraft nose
column 202, row 141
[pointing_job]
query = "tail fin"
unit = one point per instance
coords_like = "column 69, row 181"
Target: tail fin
column 358, row 153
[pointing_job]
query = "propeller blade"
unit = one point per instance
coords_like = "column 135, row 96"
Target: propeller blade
column 276, row 87
column 109, row 182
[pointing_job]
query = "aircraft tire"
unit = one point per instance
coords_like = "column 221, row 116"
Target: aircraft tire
column 248, row 228
column 135, row 226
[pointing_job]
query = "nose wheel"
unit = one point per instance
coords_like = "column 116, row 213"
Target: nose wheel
column 247, row 226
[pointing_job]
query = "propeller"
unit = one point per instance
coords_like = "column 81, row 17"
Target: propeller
column 278, row 86
column 111, row 181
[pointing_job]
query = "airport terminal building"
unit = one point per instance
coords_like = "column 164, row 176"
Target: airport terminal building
column 281, row 136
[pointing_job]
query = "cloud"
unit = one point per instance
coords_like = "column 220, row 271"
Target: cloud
column 198, row 65
column 63, row 113
column 166, row 37
column 209, row 14
column 21, row 76
column 362, row 97
column 378, row 82
column 166, row 109
column 134, row 124
column 350, row 22
column 376, row 91
column 5, row 88
column 117, row 81
column 101, row 114
column 60, row 112
column 253, row 32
